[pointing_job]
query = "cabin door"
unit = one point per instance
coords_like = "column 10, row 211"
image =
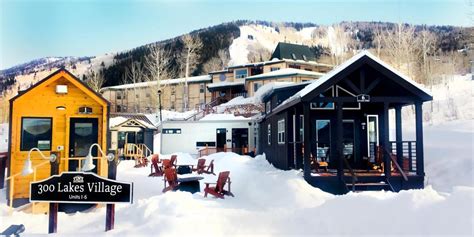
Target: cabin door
column 240, row 140
column 221, row 138
column 83, row 132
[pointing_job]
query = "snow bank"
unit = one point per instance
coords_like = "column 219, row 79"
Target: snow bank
column 267, row 202
column 169, row 115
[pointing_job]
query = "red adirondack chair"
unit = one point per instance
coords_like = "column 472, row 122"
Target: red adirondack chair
column 173, row 160
column 209, row 169
column 166, row 164
column 201, row 165
column 155, row 160
column 171, row 178
column 218, row 190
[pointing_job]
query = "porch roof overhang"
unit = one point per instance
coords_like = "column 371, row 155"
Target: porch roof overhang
column 311, row 92
column 226, row 85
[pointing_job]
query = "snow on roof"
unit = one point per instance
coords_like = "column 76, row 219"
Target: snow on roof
column 162, row 82
column 286, row 72
column 226, row 84
column 315, row 84
column 116, row 121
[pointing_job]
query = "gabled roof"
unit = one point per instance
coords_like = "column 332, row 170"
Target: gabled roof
column 73, row 79
column 293, row 51
column 319, row 85
column 117, row 119
column 285, row 72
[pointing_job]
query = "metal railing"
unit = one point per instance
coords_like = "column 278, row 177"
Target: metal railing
column 408, row 154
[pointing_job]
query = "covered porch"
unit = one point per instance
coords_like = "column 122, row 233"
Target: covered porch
column 338, row 129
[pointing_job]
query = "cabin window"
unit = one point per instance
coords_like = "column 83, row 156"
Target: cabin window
column 36, row 132
column 281, row 131
column 172, row 131
column 241, row 73
column 272, row 69
column 294, row 66
column 323, row 139
column 269, row 134
column 201, row 88
column 342, row 92
column 118, row 95
column 301, row 128
column 324, row 105
column 268, row 107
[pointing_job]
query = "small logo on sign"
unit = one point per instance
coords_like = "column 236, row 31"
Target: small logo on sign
column 78, row 179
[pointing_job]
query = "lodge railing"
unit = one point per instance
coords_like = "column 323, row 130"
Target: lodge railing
column 212, row 150
column 408, row 154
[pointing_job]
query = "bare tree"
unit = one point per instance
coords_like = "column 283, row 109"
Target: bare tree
column 95, row 80
column 401, row 46
column 135, row 75
column 190, row 53
column 157, row 65
column 338, row 41
column 217, row 63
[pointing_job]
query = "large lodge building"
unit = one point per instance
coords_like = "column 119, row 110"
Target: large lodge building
column 289, row 63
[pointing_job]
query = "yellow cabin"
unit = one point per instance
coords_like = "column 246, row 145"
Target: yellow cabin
column 59, row 113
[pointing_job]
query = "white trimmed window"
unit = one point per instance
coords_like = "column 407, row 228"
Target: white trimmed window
column 269, row 134
column 281, row 131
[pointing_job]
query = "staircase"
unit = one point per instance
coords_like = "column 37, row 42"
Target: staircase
column 203, row 110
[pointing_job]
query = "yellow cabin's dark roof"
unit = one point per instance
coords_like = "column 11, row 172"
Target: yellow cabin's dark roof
column 21, row 93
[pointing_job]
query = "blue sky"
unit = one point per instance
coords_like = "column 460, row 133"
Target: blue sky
column 32, row 29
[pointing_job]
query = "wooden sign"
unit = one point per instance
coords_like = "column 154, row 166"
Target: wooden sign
column 80, row 187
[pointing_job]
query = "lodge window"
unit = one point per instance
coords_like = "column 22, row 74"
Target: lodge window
column 256, row 86
column 293, row 56
column 173, row 90
column 119, row 108
column 274, row 69
column 294, row 66
column 241, row 73
column 36, row 132
column 201, row 88
column 118, row 95
column 304, row 58
column 147, row 95
column 269, row 134
column 281, row 131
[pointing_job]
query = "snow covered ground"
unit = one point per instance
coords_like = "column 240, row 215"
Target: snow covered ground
column 271, row 202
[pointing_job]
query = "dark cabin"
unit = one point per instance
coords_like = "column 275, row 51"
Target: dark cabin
column 293, row 51
column 337, row 128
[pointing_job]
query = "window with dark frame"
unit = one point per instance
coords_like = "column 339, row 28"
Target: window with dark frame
column 281, row 131
column 36, row 132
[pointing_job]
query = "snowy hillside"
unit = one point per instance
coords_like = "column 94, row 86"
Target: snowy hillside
column 255, row 38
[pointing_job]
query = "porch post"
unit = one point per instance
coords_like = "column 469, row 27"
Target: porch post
column 420, row 170
column 385, row 140
column 307, row 140
column 398, row 135
column 339, row 138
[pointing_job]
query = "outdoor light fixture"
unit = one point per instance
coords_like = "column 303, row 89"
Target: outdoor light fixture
column 28, row 168
column 61, row 108
column 89, row 164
